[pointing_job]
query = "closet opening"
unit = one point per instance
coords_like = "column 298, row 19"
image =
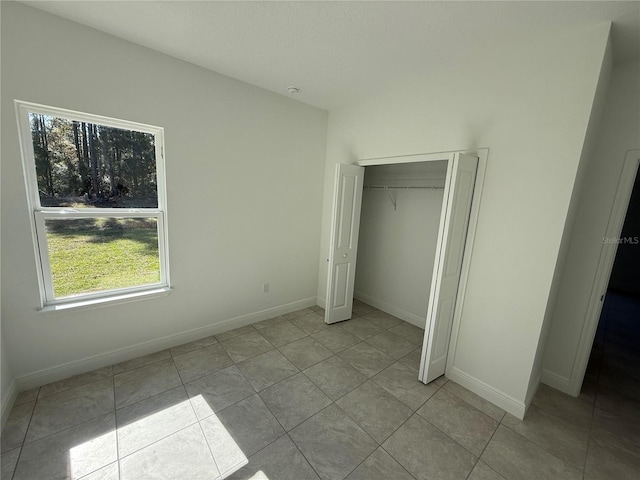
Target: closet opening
column 399, row 220
column 415, row 228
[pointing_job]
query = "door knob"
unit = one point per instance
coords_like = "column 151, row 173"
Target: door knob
column 344, row 255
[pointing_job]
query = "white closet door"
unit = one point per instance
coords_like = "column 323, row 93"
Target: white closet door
column 454, row 220
column 345, row 224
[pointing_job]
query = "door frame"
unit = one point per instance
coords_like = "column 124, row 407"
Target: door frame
column 482, row 154
column 603, row 272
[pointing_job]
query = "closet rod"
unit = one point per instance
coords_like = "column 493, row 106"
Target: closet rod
column 404, row 187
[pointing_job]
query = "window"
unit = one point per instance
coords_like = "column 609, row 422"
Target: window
column 96, row 190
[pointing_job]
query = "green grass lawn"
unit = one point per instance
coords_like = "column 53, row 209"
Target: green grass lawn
column 95, row 255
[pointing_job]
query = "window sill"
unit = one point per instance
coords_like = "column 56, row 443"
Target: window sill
column 104, row 301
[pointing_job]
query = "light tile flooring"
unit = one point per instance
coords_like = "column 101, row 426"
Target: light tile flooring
column 293, row 398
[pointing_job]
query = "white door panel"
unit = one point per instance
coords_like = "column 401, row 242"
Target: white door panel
column 454, row 221
column 345, row 225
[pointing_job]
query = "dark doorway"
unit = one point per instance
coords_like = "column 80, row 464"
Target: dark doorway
column 612, row 378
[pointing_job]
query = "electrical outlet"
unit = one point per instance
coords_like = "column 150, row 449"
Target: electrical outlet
column 265, row 287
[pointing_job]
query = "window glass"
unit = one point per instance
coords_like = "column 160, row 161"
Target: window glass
column 98, row 254
column 82, row 164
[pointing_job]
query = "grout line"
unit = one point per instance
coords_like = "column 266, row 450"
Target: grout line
column 165, row 436
column 144, row 365
column 309, row 366
column 347, row 393
column 115, row 421
column 392, row 457
column 392, row 434
column 483, row 450
column 449, row 436
column 199, row 422
column 273, row 415
column 452, row 439
column 362, row 428
column 389, row 453
column 157, row 441
column 258, row 394
column 179, row 376
column 213, row 457
column 365, row 458
column 39, row 392
column 26, row 432
column 174, row 355
column 15, row 467
column 334, row 403
column 545, row 449
column 270, row 411
column 235, row 336
column 42, row 397
column 66, row 429
column 303, row 455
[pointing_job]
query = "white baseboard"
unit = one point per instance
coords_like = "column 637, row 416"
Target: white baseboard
column 556, row 381
column 8, row 399
column 60, row 372
column 534, row 384
column 398, row 312
column 489, row 393
column 322, row 302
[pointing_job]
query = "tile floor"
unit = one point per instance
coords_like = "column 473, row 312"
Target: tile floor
column 293, row 398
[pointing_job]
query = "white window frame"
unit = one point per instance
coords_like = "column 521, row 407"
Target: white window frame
column 38, row 213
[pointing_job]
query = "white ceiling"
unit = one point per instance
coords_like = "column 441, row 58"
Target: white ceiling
column 337, row 52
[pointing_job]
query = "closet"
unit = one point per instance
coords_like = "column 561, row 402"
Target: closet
column 399, row 219
column 399, row 259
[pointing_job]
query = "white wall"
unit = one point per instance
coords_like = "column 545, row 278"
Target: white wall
column 530, row 104
column 591, row 136
column 244, row 181
column 396, row 251
column 619, row 133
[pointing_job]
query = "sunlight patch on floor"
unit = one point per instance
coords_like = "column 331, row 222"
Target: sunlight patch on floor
column 148, row 431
